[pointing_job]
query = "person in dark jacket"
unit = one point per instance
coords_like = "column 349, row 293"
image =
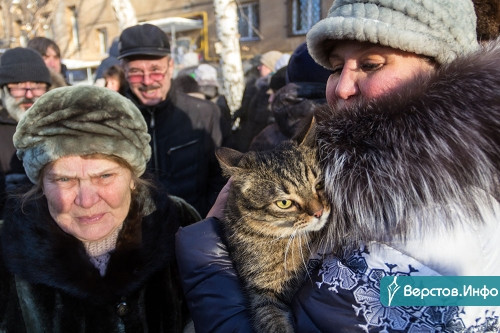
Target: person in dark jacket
column 184, row 130
column 90, row 247
column 24, row 77
column 254, row 114
column 294, row 100
column 206, row 76
column 410, row 147
column 110, row 60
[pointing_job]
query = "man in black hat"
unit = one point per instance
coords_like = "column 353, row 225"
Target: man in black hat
column 23, row 78
column 184, row 130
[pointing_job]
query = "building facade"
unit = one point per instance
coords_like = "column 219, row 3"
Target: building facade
column 84, row 30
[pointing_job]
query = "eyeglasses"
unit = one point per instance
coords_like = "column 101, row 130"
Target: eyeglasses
column 36, row 91
column 136, row 77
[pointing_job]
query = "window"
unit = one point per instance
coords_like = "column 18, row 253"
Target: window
column 304, row 14
column 103, row 40
column 248, row 21
column 75, row 36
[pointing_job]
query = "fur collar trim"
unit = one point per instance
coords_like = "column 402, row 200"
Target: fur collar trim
column 429, row 152
column 37, row 250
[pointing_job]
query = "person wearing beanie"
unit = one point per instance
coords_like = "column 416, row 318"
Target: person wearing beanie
column 91, row 241
column 410, row 147
column 185, row 130
column 303, row 68
column 24, row 77
column 268, row 62
column 208, row 82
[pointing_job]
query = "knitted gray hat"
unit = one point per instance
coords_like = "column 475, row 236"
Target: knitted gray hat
column 81, row 120
column 22, row 64
column 441, row 29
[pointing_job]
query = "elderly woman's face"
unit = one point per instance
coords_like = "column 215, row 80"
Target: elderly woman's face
column 364, row 70
column 88, row 198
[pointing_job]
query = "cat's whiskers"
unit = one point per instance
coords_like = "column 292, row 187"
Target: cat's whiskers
column 288, row 244
column 296, row 236
column 306, row 260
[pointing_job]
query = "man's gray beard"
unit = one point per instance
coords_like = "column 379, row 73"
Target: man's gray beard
column 13, row 107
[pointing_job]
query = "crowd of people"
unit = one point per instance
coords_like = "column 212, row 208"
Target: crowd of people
column 111, row 194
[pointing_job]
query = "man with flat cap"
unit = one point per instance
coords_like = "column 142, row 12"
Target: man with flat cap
column 184, row 130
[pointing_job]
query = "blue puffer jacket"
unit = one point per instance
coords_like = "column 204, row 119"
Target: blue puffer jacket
column 341, row 294
column 214, row 294
column 210, row 283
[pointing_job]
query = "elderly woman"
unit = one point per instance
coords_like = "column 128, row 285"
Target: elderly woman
column 91, row 247
column 410, row 147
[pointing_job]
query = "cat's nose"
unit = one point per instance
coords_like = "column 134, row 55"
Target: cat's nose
column 318, row 213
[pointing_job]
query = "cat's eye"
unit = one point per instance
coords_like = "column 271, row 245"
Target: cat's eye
column 284, row 204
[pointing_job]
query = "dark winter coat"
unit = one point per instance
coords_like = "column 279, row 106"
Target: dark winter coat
column 7, row 130
column 7, row 150
column 254, row 114
column 421, row 166
column 184, row 134
column 48, row 284
column 292, row 107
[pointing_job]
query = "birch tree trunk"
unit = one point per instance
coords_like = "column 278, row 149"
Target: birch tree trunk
column 226, row 19
column 125, row 13
column 6, row 22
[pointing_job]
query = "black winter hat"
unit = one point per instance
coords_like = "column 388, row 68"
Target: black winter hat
column 143, row 39
column 22, row 64
column 302, row 68
column 278, row 80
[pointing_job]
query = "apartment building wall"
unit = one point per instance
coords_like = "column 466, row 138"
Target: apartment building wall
column 85, row 29
column 95, row 17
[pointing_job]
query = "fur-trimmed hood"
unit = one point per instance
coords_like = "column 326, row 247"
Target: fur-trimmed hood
column 428, row 154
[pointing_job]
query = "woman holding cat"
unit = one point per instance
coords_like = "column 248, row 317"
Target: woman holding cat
column 410, row 148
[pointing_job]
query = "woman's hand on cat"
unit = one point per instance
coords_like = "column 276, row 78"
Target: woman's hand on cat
column 217, row 209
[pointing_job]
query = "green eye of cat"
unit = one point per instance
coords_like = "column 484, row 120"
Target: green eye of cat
column 284, row 204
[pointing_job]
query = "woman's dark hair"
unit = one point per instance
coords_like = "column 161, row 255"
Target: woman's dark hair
column 117, row 71
column 41, row 44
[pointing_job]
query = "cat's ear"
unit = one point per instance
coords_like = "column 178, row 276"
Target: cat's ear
column 307, row 135
column 228, row 158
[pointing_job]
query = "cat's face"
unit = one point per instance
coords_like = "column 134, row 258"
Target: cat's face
column 278, row 193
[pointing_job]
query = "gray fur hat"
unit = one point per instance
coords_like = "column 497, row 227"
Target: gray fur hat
column 441, row 29
column 81, row 120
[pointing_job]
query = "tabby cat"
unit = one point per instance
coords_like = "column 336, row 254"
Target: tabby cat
column 275, row 209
